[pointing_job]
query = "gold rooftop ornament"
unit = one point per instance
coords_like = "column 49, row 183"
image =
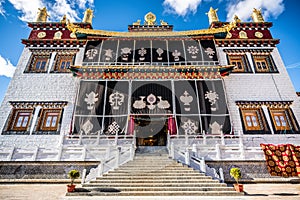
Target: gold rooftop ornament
column 88, row 16
column 236, row 19
column 150, row 19
column 64, row 19
column 257, row 16
column 163, row 23
column 212, row 15
column 42, row 15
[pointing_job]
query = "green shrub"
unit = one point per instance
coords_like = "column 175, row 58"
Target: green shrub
column 236, row 174
column 73, row 174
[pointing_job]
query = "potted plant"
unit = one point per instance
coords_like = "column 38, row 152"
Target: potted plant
column 236, row 174
column 73, row 174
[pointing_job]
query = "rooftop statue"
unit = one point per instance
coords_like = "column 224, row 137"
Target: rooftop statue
column 42, row 15
column 137, row 23
column 212, row 15
column 64, row 19
column 88, row 16
column 163, row 23
column 257, row 16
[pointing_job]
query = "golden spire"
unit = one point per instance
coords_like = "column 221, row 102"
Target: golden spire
column 64, row 19
column 212, row 15
column 88, row 16
column 236, row 19
column 42, row 15
column 257, row 16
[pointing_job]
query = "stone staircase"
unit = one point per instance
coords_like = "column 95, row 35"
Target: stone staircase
column 154, row 174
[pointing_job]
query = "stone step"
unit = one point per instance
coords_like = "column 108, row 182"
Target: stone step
column 161, row 189
column 114, row 192
column 155, row 184
column 154, row 171
column 154, row 181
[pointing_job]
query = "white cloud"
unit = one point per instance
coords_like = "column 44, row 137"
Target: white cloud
column 56, row 8
column 244, row 8
column 6, row 68
column 1, row 8
column 181, row 7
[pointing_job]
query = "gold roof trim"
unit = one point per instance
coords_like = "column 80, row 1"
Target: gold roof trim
column 76, row 29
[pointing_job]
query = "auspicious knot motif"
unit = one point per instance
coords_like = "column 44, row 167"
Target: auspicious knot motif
column 186, row 98
column 91, row 53
column 113, row 128
column 212, row 98
column 159, row 52
column 151, row 99
column 91, row 100
column 193, row 50
column 125, row 52
column 189, row 127
column 116, row 99
column 87, row 127
column 210, row 52
column 108, row 54
column 176, row 55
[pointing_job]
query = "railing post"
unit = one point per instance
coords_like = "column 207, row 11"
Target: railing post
column 118, row 157
column 172, row 151
column 204, row 138
column 241, row 145
column 218, row 152
column 101, row 168
column 187, row 156
column 222, row 138
column 131, row 151
column 202, row 165
column 83, row 176
column 221, row 175
column 194, row 149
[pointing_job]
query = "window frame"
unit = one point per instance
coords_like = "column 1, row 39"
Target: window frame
column 34, row 60
column 43, row 118
column 63, row 57
column 14, row 119
column 262, row 127
column 259, row 58
column 289, row 118
column 232, row 57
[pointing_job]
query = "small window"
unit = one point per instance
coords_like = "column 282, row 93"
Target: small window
column 49, row 120
column 63, row 62
column 254, row 121
column 240, row 62
column 38, row 63
column 20, row 120
column 264, row 63
column 283, row 120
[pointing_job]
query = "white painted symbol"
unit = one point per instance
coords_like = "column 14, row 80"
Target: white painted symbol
column 87, row 127
column 91, row 100
column 186, row 98
column 125, row 52
column 113, row 128
column 151, row 99
column 159, row 52
column 189, row 127
column 210, row 52
column 176, row 55
column 142, row 52
column 216, row 128
column 116, row 99
column 162, row 104
column 91, row 53
column 193, row 50
column 139, row 104
column 212, row 98
column 108, row 54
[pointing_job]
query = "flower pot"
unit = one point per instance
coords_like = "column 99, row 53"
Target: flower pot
column 71, row 188
column 239, row 187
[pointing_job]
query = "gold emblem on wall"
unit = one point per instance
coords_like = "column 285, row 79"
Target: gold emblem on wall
column 243, row 35
column 41, row 34
column 57, row 35
column 72, row 35
column 150, row 18
column 259, row 34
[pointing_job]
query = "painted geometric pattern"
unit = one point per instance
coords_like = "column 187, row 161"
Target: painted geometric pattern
column 282, row 160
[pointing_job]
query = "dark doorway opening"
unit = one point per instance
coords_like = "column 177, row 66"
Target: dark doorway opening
column 151, row 130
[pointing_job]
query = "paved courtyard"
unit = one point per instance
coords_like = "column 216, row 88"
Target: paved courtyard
column 57, row 191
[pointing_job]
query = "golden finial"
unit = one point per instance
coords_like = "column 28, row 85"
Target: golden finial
column 137, row 23
column 257, row 16
column 150, row 19
column 212, row 15
column 163, row 23
column 236, row 19
column 72, row 27
column 42, row 15
column 64, row 19
column 88, row 16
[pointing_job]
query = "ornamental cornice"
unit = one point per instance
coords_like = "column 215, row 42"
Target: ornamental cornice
column 33, row 104
column 258, row 104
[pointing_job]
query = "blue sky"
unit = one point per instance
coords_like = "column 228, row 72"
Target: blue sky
column 117, row 14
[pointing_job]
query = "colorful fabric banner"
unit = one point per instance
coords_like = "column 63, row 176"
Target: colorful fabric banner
column 282, row 160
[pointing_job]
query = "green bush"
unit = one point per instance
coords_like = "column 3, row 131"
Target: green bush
column 73, row 174
column 236, row 174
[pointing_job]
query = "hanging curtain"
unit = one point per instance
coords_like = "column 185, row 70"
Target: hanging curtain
column 130, row 128
column 171, row 125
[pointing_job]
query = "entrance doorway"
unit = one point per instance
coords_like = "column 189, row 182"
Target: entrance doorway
column 151, row 130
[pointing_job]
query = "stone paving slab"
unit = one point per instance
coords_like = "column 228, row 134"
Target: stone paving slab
column 58, row 191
